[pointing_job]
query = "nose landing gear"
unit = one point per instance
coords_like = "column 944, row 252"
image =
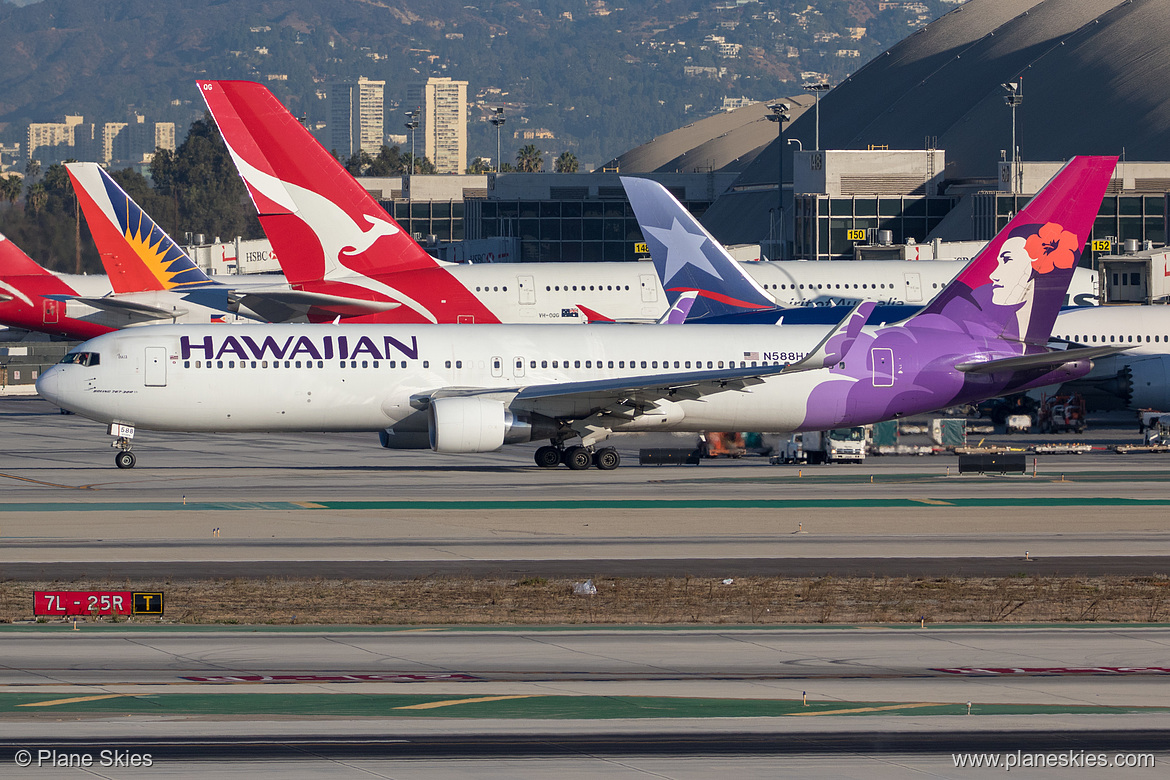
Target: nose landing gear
column 123, row 441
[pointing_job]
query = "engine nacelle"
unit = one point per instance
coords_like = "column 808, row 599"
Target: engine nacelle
column 467, row 424
column 393, row 439
column 1147, row 383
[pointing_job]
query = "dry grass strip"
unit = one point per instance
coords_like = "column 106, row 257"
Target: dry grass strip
column 623, row 601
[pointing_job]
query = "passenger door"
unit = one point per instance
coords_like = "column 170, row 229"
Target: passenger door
column 649, row 287
column 155, row 373
column 527, row 288
column 883, row 366
column 913, row 287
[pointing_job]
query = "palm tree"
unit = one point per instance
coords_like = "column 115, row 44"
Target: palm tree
column 567, row 163
column 32, row 168
column 479, row 165
column 36, row 198
column 10, row 188
column 529, row 159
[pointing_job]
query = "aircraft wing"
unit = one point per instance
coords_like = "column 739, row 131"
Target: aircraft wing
column 835, row 346
column 632, row 396
column 134, row 309
column 298, row 302
column 1050, row 359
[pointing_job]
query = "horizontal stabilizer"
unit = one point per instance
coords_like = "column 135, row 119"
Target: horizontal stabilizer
column 1050, row 359
column 592, row 316
column 303, row 301
column 124, row 306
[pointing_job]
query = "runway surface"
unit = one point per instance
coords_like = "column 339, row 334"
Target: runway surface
column 337, row 505
column 534, row 703
column 524, row 703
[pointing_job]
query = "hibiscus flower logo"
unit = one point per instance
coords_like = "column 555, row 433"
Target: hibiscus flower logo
column 1052, row 247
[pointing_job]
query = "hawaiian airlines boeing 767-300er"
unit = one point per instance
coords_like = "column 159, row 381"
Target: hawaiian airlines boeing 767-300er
column 468, row 390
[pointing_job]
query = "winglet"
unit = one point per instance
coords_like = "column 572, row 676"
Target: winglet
column 136, row 253
column 835, row 347
column 677, row 314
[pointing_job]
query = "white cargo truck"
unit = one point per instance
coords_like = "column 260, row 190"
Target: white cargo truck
column 840, row 445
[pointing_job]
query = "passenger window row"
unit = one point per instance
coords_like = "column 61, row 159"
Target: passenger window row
column 293, row 363
column 458, row 364
column 581, row 288
column 1092, row 339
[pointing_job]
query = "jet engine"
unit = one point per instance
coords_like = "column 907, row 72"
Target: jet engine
column 1147, row 383
column 475, row 424
column 1126, row 382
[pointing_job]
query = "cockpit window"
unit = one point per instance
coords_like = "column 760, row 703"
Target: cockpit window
column 82, row 358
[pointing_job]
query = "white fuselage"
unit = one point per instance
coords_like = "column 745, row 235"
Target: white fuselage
column 144, row 378
column 550, row 292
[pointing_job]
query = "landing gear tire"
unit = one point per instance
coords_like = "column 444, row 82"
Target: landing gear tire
column 607, row 459
column 578, row 458
column 548, row 457
column 124, row 460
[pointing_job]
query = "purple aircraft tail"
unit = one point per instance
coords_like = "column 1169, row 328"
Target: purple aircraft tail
column 1014, row 288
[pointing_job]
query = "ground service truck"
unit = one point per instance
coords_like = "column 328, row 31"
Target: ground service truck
column 840, row 445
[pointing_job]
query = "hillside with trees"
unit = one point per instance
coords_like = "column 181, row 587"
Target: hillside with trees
column 600, row 77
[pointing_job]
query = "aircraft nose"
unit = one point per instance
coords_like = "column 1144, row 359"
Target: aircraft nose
column 48, row 384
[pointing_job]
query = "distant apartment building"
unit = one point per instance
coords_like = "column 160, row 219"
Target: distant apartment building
column 164, row 136
column 110, row 133
column 442, row 121
column 356, row 116
column 52, row 138
column 111, row 142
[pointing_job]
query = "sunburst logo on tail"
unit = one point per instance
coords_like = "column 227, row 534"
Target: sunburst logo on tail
column 158, row 252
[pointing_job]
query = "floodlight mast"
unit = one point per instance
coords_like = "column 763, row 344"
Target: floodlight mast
column 780, row 115
column 817, row 89
column 412, row 125
column 1013, row 98
column 498, row 120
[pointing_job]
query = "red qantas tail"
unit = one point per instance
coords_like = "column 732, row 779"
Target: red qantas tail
column 322, row 224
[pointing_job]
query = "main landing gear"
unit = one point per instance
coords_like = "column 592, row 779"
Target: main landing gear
column 577, row 458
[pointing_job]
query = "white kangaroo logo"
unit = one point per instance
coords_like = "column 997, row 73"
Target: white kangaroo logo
column 339, row 234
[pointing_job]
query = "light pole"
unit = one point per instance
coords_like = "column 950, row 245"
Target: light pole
column 1014, row 97
column 817, row 89
column 498, row 120
column 780, row 115
column 412, row 125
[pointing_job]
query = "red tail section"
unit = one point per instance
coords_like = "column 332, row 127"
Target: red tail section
column 318, row 217
column 23, row 287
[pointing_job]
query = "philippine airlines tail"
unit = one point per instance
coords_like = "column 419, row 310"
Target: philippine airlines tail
column 688, row 258
column 1014, row 288
column 137, row 254
column 322, row 223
